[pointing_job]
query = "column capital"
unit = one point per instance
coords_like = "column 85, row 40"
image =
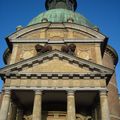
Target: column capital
column 38, row 92
column 7, row 92
column 103, row 92
column 71, row 92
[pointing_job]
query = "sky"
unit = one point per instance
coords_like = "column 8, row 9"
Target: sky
column 103, row 13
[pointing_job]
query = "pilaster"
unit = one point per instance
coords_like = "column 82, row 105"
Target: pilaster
column 98, row 53
column 14, row 54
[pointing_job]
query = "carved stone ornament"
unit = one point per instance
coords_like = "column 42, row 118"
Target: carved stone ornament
column 70, row 49
column 85, row 54
column 57, row 33
column 27, row 54
column 43, row 49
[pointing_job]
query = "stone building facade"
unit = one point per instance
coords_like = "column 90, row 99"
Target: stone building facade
column 59, row 67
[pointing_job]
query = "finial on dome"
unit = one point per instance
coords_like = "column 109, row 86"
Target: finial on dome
column 65, row 4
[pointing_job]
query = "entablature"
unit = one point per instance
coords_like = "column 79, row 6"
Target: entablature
column 59, row 89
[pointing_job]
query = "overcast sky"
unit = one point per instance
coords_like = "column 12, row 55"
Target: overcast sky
column 103, row 13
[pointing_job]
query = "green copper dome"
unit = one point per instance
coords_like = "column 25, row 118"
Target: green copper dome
column 61, row 15
column 61, row 11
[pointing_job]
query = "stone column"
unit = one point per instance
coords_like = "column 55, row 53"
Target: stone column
column 96, row 117
column 19, row 114
column 9, row 112
column 5, row 105
column 71, row 112
column 1, row 98
column 37, row 108
column 13, row 111
column 105, row 115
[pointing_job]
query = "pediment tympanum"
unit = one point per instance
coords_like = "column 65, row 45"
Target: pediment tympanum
column 56, row 65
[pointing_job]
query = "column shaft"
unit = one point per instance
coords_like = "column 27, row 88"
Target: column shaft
column 19, row 114
column 13, row 111
column 9, row 112
column 5, row 106
column 71, row 112
column 104, row 106
column 37, row 108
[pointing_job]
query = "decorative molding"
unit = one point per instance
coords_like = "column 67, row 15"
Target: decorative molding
column 71, row 92
column 84, row 53
column 7, row 91
column 92, row 40
column 103, row 92
column 38, row 92
column 86, row 76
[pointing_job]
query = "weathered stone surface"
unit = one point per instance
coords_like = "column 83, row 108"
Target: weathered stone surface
column 71, row 108
column 5, row 106
column 82, row 71
column 37, row 108
column 105, row 115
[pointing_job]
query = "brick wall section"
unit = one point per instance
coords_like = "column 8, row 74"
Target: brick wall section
column 113, row 98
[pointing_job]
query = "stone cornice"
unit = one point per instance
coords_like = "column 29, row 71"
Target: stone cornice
column 47, row 25
column 55, row 76
column 56, row 42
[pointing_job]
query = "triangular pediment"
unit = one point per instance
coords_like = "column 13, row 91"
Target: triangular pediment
column 54, row 63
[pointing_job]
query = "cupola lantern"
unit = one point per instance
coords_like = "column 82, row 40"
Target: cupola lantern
column 65, row 4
